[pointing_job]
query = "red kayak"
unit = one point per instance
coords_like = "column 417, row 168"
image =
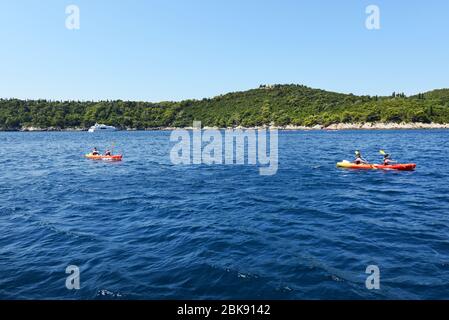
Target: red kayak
column 400, row 167
column 100, row 157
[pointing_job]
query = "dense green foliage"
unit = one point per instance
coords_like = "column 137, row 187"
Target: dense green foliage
column 279, row 105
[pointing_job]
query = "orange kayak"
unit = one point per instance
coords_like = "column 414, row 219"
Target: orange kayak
column 400, row 167
column 100, row 157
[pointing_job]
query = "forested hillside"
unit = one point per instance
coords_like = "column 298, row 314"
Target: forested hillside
column 279, row 104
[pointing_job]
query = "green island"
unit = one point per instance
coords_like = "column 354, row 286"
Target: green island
column 269, row 105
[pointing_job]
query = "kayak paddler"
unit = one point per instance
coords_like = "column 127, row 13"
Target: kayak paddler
column 358, row 158
column 387, row 159
column 108, row 153
column 95, row 152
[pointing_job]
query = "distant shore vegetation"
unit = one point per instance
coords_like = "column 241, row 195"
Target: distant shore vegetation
column 278, row 105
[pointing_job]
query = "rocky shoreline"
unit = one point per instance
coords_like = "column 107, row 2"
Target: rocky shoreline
column 336, row 126
column 387, row 126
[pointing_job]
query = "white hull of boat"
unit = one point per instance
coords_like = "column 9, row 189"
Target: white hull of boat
column 102, row 128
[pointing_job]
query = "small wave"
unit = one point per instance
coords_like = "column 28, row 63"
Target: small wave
column 104, row 293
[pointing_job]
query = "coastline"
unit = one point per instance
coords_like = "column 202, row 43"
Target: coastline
column 332, row 127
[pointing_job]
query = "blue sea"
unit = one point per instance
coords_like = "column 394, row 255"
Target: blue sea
column 145, row 228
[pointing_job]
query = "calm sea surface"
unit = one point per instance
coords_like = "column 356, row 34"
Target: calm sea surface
column 147, row 229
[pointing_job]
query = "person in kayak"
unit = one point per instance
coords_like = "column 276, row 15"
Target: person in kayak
column 95, row 152
column 387, row 160
column 108, row 153
column 359, row 159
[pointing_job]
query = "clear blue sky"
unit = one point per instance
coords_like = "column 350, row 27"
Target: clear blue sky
column 156, row 50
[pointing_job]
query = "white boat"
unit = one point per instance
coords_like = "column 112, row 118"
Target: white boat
column 101, row 127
